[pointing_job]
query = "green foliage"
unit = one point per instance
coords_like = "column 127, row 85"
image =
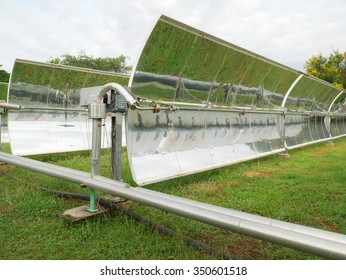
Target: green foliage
column 331, row 69
column 111, row 64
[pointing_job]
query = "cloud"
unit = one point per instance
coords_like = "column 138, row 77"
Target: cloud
column 286, row 31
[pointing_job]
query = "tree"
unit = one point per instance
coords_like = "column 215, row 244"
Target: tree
column 4, row 76
column 117, row 64
column 331, row 69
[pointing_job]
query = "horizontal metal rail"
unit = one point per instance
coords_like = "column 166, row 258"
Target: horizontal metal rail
column 319, row 242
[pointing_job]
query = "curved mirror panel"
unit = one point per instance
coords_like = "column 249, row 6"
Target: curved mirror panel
column 232, row 105
column 311, row 94
column 188, row 141
column 338, row 126
column 187, row 66
column 54, row 101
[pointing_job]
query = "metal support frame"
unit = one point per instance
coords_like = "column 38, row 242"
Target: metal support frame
column 117, row 123
column 96, row 147
column 327, row 119
column 283, row 121
column 92, row 207
column 0, row 132
column 97, row 112
column 2, row 110
column 290, row 90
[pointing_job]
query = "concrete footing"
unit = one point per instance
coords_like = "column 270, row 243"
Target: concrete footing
column 329, row 143
column 81, row 213
column 284, row 155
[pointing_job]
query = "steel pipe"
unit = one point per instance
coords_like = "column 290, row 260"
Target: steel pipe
column 251, row 217
column 120, row 89
column 331, row 248
column 9, row 106
column 133, row 102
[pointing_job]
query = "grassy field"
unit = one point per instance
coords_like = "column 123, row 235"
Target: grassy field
column 308, row 188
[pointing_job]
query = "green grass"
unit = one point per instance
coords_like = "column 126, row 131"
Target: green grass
column 3, row 91
column 308, row 189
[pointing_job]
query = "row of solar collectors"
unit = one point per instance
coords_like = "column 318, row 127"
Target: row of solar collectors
column 232, row 105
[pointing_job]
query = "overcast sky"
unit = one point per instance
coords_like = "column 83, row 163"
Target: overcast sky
column 287, row 31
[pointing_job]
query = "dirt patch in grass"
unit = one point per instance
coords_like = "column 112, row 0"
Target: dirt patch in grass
column 235, row 245
column 4, row 167
column 212, row 186
column 245, row 247
column 5, row 208
column 252, row 174
column 320, row 152
column 234, row 184
column 322, row 222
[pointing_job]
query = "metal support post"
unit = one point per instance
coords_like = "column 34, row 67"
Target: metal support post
column 2, row 110
column 0, row 129
column 117, row 122
column 92, row 206
column 96, row 147
column 97, row 112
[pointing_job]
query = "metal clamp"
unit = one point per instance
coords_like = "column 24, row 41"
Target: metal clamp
column 97, row 111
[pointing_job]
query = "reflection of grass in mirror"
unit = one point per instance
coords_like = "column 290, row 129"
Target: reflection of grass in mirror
column 256, row 73
column 164, row 52
column 66, row 80
column 3, row 91
column 31, row 74
column 303, row 88
column 94, row 79
column 217, row 97
column 205, row 61
column 154, row 91
column 183, row 52
column 178, row 52
column 57, row 77
column 48, row 85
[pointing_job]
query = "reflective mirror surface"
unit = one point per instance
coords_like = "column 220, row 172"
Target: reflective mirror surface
column 228, row 105
column 182, row 64
column 3, row 90
column 181, row 142
column 55, row 99
column 233, row 105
